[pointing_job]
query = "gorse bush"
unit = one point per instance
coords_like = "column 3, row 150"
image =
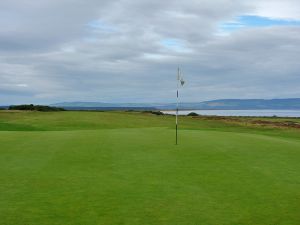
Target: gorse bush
column 31, row 107
column 192, row 114
column 158, row 113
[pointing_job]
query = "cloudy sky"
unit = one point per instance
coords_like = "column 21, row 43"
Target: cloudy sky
column 129, row 50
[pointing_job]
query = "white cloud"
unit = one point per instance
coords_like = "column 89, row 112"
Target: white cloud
column 287, row 9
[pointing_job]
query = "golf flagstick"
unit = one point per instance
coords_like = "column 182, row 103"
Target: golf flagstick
column 180, row 82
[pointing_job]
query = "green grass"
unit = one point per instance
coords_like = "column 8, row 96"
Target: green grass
column 110, row 168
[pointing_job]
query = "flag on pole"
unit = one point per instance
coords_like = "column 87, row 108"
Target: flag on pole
column 180, row 82
column 180, row 78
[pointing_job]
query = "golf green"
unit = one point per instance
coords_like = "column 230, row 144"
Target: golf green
column 110, row 168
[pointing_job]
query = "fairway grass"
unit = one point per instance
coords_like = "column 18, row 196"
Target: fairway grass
column 117, row 168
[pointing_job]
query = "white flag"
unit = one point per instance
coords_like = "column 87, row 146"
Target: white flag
column 182, row 81
column 180, row 78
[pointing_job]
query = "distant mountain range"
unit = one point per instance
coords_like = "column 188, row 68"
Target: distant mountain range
column 222, row 104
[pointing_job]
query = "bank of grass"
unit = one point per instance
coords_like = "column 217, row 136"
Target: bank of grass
column 123, row 168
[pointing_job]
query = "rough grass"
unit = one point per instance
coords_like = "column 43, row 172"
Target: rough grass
column 123, row 168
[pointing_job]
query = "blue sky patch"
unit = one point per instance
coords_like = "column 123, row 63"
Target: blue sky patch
column 174, row 44
column 102, row 26
column 256, row 21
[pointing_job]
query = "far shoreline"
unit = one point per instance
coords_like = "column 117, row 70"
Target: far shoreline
column 282, row 113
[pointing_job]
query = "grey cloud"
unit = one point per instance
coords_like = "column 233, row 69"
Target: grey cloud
column 30, row 25
column 52, row 47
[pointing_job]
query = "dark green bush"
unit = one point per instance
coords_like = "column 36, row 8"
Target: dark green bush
column 192, row 114
column 31, row 107
column 158, row 113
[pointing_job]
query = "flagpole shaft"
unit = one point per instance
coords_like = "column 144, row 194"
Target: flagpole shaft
column 177, row 104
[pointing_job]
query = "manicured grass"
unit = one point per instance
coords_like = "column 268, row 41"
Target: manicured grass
column 123, row 168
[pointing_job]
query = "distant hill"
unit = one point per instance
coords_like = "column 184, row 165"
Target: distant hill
column 104, row 106
column 222, row 104
column 3, row 107
column 99, row 104
column 293, row 103
column 109, row 108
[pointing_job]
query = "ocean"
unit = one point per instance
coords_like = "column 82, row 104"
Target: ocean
column 256, row 113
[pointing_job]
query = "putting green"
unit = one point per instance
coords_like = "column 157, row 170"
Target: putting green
column 55, row 169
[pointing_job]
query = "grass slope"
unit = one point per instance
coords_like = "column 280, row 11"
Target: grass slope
column 123, row 168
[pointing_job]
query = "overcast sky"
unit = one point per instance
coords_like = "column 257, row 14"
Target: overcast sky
column 129, row 50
